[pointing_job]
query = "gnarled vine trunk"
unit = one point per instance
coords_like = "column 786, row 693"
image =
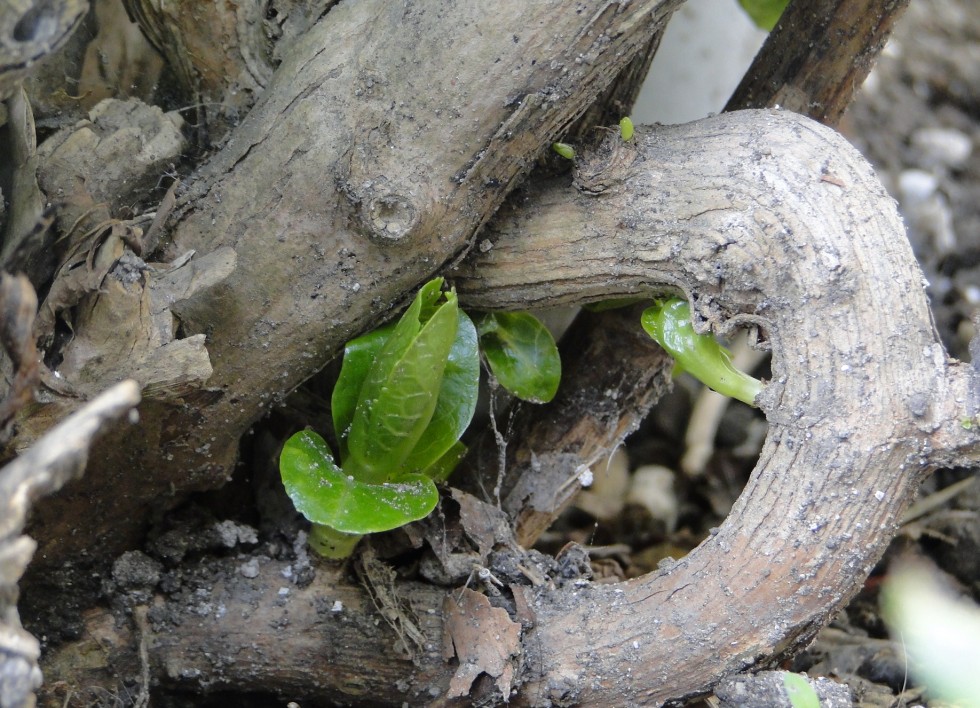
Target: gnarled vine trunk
column 329, row 204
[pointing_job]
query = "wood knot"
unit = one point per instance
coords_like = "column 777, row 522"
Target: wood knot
column 391, row 217
column 607, row 164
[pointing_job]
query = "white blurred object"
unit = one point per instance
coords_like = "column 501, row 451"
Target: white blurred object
column 940, row 632
column 610, row 480
column 653, row 488
column 943, row 146
column 705, row 51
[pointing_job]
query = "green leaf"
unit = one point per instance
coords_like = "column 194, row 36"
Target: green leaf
column 359, row 355
column 440, row 470
column 399, row 394
column 456, row 403
column 564, row 149
column 362, row 353
column 800, row 692
column 324, row 494
column 764, row 13
column 669, row 323
column 626, row 128
column 522, row 354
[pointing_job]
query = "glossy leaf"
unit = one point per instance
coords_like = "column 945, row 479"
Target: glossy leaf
column 456, row 403
column 440, row 470
column 324, row 494
column 522, row 354
column 401, row 389
column 626, row 128
column 764, row 13
column 669, row 323
column 377, row 346
column 359, row 355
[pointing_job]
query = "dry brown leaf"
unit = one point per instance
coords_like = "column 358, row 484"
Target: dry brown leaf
column 483, row 638
column 119, row 61
column 484, row 525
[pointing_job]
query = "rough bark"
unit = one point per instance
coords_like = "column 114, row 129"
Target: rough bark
column 760, row 218
column 811, row 64
column 804, row 264
column 818, row 56
column 354, row 149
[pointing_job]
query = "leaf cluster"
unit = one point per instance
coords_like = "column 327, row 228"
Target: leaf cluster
column 405, row 395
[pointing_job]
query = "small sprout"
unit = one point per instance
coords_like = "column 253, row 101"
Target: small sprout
column 764, row 13
column 405, row 394
column 669, row 323
column 626, row 128
column 800, row 692
column 564, row 149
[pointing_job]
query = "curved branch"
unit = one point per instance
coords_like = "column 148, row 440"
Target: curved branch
column 760, row 217
column 764, row 219
column 31, row 30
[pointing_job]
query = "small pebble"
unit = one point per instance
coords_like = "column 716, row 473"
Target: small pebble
column 249, row 569
column 943, row 146
column 917, row 185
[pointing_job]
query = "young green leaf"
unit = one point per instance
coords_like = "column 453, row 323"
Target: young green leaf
column 669, row 323
column 564, row 149
column 377, row 349
column 324, row 494
column 764, row 13
column 399, row 395
column 456, row 403
column 359, row 355
column 626, row 128
column 800, row 692
column 521, row 353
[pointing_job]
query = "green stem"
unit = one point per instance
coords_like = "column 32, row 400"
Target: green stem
column 669, row 323
column 331, row 543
